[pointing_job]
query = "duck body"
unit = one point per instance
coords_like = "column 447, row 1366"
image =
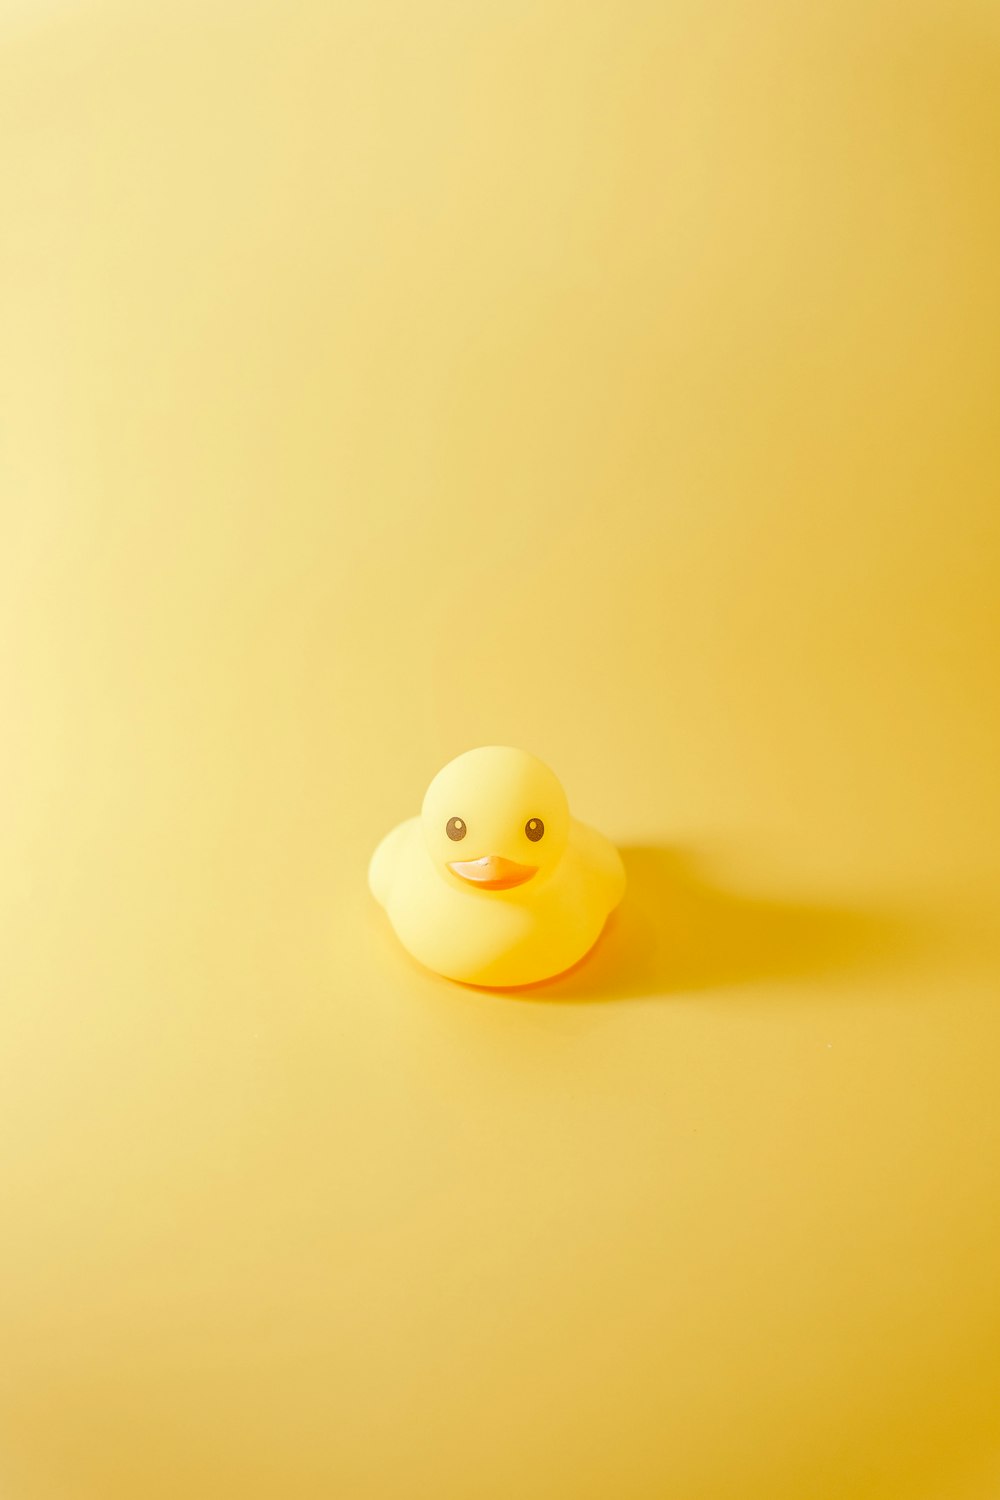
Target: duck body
column 499, row 919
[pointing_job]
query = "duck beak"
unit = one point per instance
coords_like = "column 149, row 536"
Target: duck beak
column 492, row 872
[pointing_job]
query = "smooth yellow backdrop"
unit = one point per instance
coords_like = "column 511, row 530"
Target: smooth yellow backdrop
column 614, row 380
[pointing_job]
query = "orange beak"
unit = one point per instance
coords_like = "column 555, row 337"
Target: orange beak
column 493, row 872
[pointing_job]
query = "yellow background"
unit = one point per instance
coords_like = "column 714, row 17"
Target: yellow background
column 618, row 381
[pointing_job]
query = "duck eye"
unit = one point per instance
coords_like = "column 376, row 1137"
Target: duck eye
column 534, row 828
column 456, row 829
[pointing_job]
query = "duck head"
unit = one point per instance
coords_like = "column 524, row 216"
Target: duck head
column 494, row 819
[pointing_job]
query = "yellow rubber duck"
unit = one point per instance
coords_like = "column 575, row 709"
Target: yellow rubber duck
column 495, row 883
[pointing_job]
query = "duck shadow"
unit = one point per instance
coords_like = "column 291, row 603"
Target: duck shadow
column 678, row 933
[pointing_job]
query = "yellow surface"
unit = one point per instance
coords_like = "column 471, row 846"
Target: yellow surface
column 380, row 380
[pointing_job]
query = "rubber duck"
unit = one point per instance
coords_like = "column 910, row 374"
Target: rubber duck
column 495, row 883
